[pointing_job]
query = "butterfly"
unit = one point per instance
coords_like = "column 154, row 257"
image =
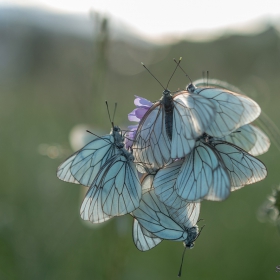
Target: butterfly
column 154, row 220
column 232, row 109
column 169, row 128
column 115, row 191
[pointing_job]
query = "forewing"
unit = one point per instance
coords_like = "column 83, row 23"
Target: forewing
column 151, row 148
column 242, row 167
column 164, row 184
column 64, row 172
column 192, row 115
column 143, row 239
column 91, row 158
column 232, row 110
column 153, row 215
column 249, row 138
column 202, row 175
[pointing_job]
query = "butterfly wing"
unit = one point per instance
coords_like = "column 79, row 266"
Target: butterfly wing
column 164, row 185
column 91, row 158
column 203, row 175
column 187, row 214
column 151, row 148
column 153, row 215
column 143, row 239
column 232, row 110
column 92, row 208
column 115, row 191
column 64, row 172
column 192, row 115
column 249, row 138
column 242, row 167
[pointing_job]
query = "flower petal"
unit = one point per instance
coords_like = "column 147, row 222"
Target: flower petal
column 142, row 102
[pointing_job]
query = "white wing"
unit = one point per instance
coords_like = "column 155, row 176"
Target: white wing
column 249, row 138
column 192, row 115
column 147, row 182
column 151, row 148
column 232, row 110
column 242, row 167
column 186, row 215
column 203, row 175
column 164, row 184
column 115, row 191
column 143, row 239
column 91, row 158
column 92, row 208
column 153, row 215
column 63, row 170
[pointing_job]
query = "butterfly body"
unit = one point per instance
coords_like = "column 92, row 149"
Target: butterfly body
column 167, row 102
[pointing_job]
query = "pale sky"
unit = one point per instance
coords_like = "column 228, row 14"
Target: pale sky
column 154, row 18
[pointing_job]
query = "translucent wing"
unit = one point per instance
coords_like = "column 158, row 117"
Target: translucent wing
column 187, row 214
column 115, row 191
column 164, row 184
column 147, row 182
column 203, row 175
column 249, row 138
column 232, row 110
column 143, row 239
column 63, row 170
column 91, row 157
column 242, row 167
column 153, row 215
column 151, row 148
column 192, row 115
column 92, row 208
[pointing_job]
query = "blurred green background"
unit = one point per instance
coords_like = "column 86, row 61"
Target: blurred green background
column 54, row 80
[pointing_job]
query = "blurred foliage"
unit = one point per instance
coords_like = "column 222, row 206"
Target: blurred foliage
column 57, row 81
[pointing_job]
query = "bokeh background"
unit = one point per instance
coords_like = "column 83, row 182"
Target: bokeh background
column 56, row 71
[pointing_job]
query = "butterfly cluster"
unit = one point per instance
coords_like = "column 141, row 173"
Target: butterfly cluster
column 191, row 145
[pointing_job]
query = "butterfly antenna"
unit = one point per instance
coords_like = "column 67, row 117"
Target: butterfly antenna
column 180, row 59
column 109, row 114
column 106, row 140
column 108, row 111
column 114, row 111
column 183, row 70
column 181, row 266
column 207, row 75
column 152, row 75
column 203, row 77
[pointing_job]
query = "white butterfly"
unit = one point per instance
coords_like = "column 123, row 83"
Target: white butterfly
column 157, row 221
column 169, row 128
column 232, row 109
column 115, row 191
column 108, row 169
column 83, row 166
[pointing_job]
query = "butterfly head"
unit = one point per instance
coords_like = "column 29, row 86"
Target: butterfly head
column 193, row 234
column 166, row 92
column 191, row 88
